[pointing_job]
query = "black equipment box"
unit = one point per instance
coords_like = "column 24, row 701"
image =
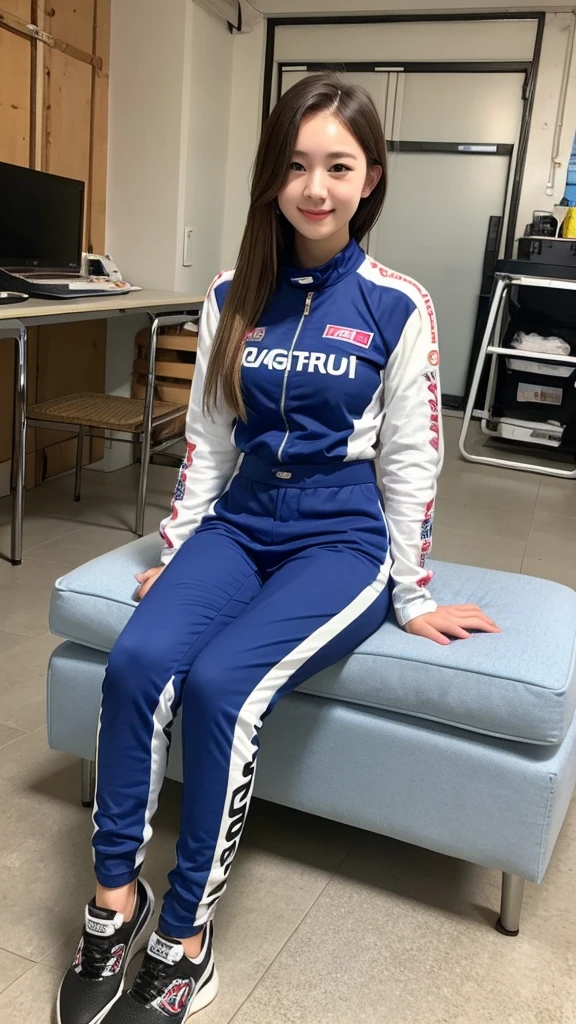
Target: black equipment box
column 559, row 252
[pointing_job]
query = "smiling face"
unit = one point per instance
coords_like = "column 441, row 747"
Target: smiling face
column 327, row 178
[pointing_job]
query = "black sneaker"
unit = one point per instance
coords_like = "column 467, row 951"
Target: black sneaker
column 168, row 984
column 96, row 978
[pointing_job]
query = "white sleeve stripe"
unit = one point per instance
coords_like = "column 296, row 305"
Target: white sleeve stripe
column 385, row 277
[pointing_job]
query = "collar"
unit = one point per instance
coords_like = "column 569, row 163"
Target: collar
column 341, row 265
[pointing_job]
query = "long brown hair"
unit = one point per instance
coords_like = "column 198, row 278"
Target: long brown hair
column 268, row 236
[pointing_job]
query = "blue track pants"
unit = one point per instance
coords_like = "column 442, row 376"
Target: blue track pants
column 286, row 576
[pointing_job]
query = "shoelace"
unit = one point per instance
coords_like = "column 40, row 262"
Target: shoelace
column 150, row 981
column 96, row 953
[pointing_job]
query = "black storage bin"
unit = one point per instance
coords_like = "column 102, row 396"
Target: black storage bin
column 528, row 395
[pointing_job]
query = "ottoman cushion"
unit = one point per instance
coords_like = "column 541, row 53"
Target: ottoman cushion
column 519, row 684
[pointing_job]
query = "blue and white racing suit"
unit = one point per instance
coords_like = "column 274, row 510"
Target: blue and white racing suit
column 279, row 552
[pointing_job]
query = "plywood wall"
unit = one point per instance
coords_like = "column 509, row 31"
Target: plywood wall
column 21, row 8
column 54, row 117
column 15, row 98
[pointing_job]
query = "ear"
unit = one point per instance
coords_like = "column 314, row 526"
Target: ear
column 372, row 178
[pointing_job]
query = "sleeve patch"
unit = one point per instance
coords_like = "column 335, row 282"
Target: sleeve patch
column 180, row 488
column 426, row 533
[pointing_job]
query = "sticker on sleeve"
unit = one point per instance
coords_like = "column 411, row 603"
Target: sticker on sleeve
column 434, row 357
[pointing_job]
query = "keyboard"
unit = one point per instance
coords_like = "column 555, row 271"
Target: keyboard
column 77, row 283
column 63, row 287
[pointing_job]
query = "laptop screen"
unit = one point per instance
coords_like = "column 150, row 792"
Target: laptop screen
column 41, row 220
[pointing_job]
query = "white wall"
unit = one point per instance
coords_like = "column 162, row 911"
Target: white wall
column 170, row 91
column 170, row 95
column 538, row 157
column 419, row 40
column 247, row 84
column 147, row 66
column 245, row 120
column 205, row 145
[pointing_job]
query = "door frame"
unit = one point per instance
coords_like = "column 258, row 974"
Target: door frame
column 530, row 69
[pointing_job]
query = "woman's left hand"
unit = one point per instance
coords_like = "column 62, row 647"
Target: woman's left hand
column 451, row 620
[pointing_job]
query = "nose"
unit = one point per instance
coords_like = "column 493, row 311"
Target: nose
column 315, row 188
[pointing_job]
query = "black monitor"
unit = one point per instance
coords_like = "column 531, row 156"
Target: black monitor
column 41, row 220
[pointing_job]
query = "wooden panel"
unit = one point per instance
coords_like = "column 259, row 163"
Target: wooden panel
column 71, row 358
column 71, row 20
column 97, row 196
column 59, row 458
column 71, row 121
column 7, row 398
column 21, row 8
column 15, row 85
column 15, row 68
column 7, row 392
column 68, row 100
column 75, row 144
column 64, row 363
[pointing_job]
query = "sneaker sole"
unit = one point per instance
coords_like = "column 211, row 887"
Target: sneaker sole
column 205, row 996
column 130, row 954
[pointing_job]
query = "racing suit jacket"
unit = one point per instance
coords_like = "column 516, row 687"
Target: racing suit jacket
column 341, row 366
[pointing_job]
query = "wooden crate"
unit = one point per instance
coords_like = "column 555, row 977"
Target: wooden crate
column 175, row 363
column 166, row 391
column 168, row 365
column 175, row 355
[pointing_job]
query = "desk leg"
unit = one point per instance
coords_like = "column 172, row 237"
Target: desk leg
column 147, row 427
column 18, row 470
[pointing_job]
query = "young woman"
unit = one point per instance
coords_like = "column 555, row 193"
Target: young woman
column 280, row 547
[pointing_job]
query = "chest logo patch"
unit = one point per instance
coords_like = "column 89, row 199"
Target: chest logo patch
column 361, row 338
column 256, row 335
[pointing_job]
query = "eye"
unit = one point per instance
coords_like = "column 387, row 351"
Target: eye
column 295, row 166
column 340, row 168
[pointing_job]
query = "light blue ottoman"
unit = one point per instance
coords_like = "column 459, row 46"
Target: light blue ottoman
column 469, row 750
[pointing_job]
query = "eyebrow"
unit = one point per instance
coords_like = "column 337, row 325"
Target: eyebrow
column 330, row 156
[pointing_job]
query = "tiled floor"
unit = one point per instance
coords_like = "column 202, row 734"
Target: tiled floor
column 321, row 923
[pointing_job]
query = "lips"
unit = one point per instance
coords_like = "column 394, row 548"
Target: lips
column 316, row 215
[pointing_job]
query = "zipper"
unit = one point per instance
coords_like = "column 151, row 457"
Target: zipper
column 307, row 305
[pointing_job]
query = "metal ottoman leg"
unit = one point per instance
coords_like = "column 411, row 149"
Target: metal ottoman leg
column 512, row 893
column 88, row 778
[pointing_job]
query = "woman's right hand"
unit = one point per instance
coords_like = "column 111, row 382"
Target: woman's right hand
column 146, row 579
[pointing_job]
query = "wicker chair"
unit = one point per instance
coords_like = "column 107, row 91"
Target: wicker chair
column 89, row 412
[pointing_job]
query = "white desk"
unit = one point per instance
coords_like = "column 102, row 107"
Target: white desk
column 163, row 308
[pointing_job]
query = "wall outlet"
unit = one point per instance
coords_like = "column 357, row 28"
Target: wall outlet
column 187, row 254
